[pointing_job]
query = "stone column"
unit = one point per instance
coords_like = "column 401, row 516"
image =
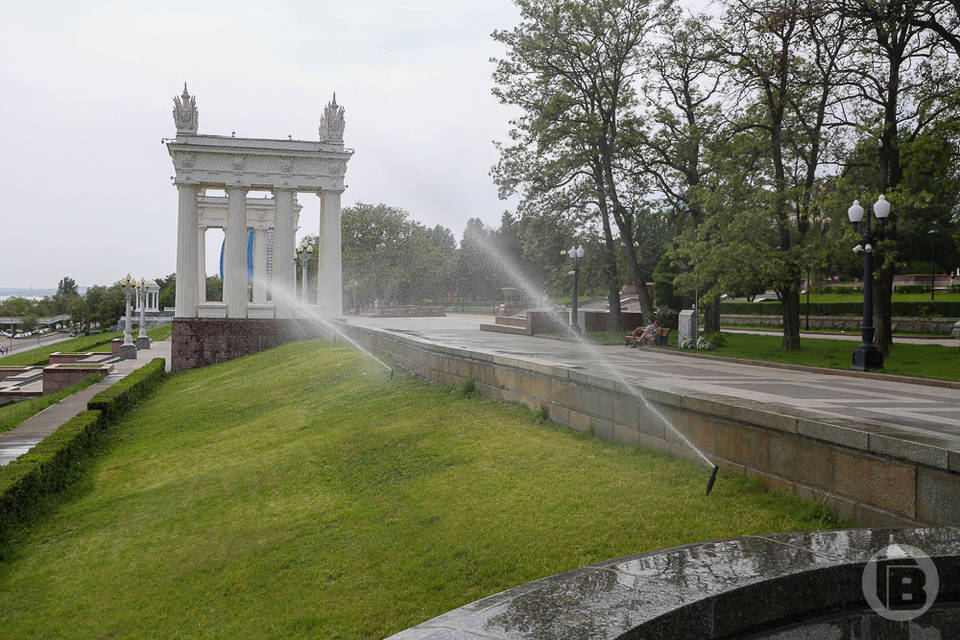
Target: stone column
column 260, row 266
column 202, row 264
column 186, row 300
column 235, row 254
column 284, row 238
column 329, row 276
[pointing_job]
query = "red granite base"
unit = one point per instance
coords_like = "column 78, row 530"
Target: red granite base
column 198, row 342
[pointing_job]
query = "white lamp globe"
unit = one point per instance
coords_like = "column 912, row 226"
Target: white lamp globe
column 855, row 212
column 881, row 208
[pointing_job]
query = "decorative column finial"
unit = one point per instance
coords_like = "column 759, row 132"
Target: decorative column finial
column 185, row 114
column 332, row 122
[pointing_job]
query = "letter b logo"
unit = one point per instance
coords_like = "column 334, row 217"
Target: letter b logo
column 900, row 582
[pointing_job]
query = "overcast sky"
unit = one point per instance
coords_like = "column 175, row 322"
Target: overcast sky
column 87, row 92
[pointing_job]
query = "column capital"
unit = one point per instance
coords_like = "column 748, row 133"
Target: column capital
column 338, row 191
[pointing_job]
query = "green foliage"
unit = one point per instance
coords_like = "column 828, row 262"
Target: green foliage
column 912, row 288
column 715, row 339
column 391, row 258
column 942, row 309
column 289, row 487
column 468, row 387
column 543, row 414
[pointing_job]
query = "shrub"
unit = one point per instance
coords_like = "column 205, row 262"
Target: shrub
column 468, row 387
column 117, row 399
column 946, row 309
column 912, row 288
column 543, row 413
column 716, row 339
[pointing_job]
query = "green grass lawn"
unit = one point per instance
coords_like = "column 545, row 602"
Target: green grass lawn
column 942, row 296
column 300, row 493
column 80, row 344
column 779, row 330
column 16, row 412
column 919, row 360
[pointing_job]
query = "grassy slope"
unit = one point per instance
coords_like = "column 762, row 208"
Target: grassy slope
column 297, row 493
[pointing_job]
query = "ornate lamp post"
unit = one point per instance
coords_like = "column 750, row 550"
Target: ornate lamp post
column 867, row 356
column 575, row 254
column 304, row 251
column 143, row 342
column 128, row 350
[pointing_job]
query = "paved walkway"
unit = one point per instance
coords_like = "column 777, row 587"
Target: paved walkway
column 916, row 411
column 17, row 441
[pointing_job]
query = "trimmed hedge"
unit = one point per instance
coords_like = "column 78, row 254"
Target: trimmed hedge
column 117, row 399
column 56, row 461
column 949, row 309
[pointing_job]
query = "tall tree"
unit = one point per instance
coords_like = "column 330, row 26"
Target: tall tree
column 570, row 66
column 682, row 112
column 904, row 85
column 782, row 56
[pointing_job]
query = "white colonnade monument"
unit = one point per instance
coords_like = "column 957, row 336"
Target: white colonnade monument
column 240, row 165
column 207, row 331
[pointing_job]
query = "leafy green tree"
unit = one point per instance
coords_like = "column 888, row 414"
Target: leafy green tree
column 67, row 288
column 569, row 67
column 80, row 314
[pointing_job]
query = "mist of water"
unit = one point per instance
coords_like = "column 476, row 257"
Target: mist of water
column 532, row 293
column 303, row 311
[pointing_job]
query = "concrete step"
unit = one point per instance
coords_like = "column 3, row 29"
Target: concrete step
column 503, row 328
column 513, row 322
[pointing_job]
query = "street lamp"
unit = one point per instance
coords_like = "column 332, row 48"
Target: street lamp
column 867, row 356
column 575, row 254
column 128, row 286
column 304, row 251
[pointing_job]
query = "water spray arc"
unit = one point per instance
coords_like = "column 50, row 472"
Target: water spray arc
column 304, row 312
column 532, row 293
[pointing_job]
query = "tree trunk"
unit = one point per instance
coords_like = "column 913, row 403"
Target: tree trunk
column 711, row 317
column 615, row 321
column 882, row 310
column 790, row 303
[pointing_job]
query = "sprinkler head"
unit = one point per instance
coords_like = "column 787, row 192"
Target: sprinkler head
column 713, row 478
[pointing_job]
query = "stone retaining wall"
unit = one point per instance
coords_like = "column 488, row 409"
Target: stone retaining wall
column 198, row 342
column 860, row 470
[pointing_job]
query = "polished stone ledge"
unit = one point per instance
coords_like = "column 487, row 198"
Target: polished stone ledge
column 739, row 587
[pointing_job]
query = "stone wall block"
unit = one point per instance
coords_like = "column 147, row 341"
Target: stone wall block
column 938, row 497
column 884, row 483
column 742, row 444
column 565, row 393
column 767, row 419
column 597, row 402
column 832, row 433
column 579, row 421
column 807, row 461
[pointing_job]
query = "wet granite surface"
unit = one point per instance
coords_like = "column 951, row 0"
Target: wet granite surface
column 747, row 587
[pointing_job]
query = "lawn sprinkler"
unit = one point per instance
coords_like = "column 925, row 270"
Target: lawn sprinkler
column 713, row 478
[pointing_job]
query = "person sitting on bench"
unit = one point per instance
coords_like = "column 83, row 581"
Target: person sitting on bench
column 630, row 340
